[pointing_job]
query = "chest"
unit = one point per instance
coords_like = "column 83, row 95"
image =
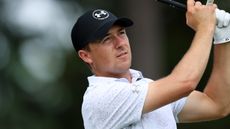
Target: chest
column 161, row 118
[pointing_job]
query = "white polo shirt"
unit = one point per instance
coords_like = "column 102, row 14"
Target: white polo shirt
column 114, row 103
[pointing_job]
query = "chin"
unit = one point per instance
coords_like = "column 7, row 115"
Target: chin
column 124, row 68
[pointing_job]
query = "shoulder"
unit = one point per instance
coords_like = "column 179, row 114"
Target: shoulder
column 109, row 102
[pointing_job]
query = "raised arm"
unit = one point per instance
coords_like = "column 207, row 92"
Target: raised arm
column 214, row 102
column 218, row 88
column 188, row 72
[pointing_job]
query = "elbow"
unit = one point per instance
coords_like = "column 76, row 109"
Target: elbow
column 222, row 114
column 225, row 112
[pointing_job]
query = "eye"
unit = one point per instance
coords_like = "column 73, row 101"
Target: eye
column 106, row 39
column 122, row 31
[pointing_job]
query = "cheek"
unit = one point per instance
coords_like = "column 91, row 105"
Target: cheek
column 107, row 56
column 103, row 57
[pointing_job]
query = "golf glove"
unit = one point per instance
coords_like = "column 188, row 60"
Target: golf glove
column 222, row 31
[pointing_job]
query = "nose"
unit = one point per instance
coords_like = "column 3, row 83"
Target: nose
column 119, row 41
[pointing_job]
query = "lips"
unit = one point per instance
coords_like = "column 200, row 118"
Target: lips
column 122, row 54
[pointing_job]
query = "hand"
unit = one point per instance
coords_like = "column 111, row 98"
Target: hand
column 222, row 17
column 222, row 35
column 222, row 31
column 200, row 16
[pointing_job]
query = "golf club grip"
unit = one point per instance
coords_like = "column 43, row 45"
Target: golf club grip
column 209, row 2
column 174, row 4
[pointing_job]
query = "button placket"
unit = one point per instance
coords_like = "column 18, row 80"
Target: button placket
column 135, row 88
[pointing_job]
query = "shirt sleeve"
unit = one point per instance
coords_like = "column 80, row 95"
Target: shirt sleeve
column 177, row 106
column 115, row 105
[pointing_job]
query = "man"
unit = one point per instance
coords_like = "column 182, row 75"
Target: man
column 121, row 98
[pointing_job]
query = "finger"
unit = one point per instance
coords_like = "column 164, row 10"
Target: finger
column 190, row 3
column 226, row 20
column 220, row 24
column 198, row 3
column 220, row 18
column 214, row 5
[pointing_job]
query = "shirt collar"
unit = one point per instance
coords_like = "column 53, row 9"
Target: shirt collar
column 136, row 75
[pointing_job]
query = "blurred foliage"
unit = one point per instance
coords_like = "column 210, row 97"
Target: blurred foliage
column 42, row 81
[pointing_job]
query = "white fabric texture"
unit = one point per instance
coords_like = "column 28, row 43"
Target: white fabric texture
column 112, row 103
column 222, row 32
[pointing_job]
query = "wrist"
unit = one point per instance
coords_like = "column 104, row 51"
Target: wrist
column 208, row 30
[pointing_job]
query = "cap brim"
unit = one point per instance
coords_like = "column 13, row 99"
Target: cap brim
column 124, row 22
column 103, row 29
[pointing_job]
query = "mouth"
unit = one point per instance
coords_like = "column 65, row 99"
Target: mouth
column 122, row 54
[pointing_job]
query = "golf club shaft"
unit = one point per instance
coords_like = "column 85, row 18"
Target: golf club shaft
column 174, row 4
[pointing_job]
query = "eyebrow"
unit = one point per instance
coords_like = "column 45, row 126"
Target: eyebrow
column 121, row 28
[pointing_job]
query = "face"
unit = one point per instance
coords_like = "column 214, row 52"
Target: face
column 110, row 56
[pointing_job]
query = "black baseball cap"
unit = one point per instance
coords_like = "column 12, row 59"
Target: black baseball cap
column 94, row 25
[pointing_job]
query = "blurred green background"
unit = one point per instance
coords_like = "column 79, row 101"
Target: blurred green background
column 42, row 80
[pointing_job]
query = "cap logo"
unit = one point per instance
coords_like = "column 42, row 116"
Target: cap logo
column 100, row 14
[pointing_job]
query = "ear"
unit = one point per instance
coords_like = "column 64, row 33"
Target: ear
column 85, row 56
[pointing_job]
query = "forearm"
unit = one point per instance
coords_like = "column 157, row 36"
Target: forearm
column 194, row 62
column 185, row 76
column 192, row 66
column 218, row 87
